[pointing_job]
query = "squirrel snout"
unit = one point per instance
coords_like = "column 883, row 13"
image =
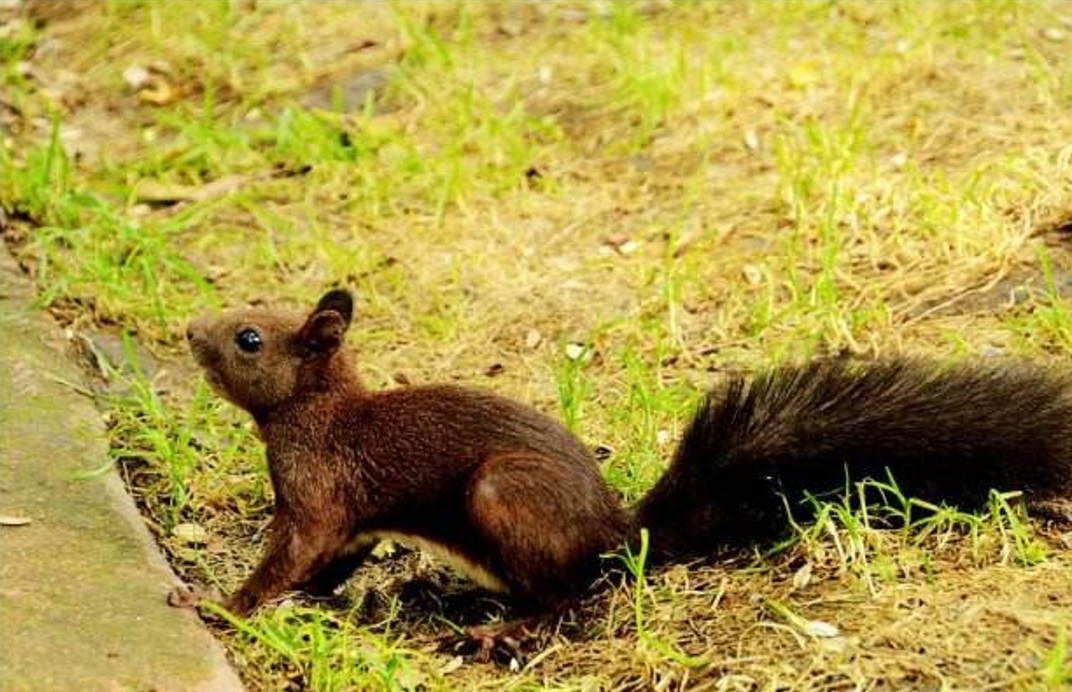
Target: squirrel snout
column 195, row 330
column 197, row 334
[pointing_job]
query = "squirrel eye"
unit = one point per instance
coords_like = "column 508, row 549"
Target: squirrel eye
column 249, row 340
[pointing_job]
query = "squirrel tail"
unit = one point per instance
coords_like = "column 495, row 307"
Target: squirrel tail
column 944, row 433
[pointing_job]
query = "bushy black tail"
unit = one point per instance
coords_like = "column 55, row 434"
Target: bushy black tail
column 945, row 434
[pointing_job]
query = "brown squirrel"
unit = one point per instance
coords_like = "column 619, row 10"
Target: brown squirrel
column 519, row 501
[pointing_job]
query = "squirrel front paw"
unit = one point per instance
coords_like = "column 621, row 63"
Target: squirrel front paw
column 183, row 596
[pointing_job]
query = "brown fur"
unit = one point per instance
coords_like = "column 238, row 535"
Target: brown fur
column 519, row 499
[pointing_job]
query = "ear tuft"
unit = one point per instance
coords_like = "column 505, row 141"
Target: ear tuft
column 339, row 300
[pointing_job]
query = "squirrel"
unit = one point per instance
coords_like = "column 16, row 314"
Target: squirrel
column 520, row 504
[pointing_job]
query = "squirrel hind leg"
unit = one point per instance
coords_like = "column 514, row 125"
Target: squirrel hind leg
column 544, row 522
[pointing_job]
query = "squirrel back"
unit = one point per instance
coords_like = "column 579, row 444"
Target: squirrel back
column 945, row 433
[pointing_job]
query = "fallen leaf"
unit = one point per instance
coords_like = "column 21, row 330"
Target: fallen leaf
column 751, row 140
column 1052, row 33
column 452, row 665
column 136, row 76
column 802, row 577
column 9, row 520
column 161, row 67
column 160, row 94
column 818, row 628
column 752, row 274
column 533, row 339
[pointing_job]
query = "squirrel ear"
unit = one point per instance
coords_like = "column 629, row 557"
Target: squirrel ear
column 322, row 333
column 340, row 301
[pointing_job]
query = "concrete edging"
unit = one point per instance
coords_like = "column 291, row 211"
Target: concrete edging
column 82, row 585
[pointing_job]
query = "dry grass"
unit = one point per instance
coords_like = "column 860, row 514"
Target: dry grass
column 682, row 189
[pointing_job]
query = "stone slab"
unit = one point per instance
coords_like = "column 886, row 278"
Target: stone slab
column 82, row 585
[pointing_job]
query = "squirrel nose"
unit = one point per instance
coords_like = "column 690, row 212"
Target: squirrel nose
column 194, row 329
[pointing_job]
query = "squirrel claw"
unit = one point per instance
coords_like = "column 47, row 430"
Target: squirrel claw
column 504, row 639
column 183, row 596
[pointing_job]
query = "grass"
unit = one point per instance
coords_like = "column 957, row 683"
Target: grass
column 597, row 208
column 317, row 648
column 876, row 534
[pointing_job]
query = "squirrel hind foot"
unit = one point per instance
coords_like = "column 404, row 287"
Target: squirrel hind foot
column 1057, row 510
column 504, row 642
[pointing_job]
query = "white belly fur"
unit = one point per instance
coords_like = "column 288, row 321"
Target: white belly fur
column 459, row 562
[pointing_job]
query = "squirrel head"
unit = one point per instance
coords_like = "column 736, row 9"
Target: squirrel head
column 260, row 358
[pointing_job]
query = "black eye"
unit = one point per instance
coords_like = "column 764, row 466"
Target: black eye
column 248, row 340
